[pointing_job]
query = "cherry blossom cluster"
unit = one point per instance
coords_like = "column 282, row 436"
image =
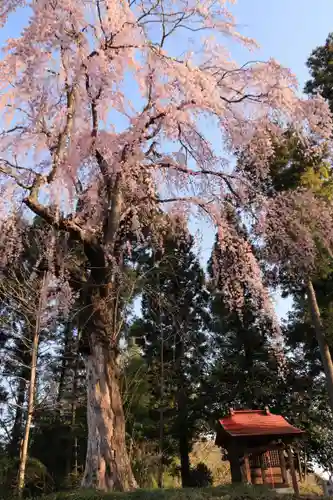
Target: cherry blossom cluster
column 108, row 108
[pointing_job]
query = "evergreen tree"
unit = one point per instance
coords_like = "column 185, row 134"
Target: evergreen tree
column 173, row 325
column 297, row 165
column 320, row 64
column 136, row 383
column 61, row 421
column 305, row 398
column 59, row 403
column 245, row 369
column 26, row 327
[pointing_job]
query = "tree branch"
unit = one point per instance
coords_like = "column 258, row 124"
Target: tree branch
column 64, row 136
column 9, row 169
column 61, row 223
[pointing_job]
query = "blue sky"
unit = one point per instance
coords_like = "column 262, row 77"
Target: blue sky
column 287, row 30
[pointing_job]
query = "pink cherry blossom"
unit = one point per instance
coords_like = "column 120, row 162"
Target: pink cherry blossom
column 79, row 69
column 97, row 99
column 296, row 227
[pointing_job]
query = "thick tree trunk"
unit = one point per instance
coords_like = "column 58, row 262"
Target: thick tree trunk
column 107, row 463
column 322, row 343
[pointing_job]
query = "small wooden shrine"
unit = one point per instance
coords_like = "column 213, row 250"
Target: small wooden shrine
column 258, row 444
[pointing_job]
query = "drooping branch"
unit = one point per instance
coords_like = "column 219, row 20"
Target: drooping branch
column 43, row 211
column 226, row 178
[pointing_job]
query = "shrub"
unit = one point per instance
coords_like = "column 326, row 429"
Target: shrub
column 201, row 476
column 37, row 478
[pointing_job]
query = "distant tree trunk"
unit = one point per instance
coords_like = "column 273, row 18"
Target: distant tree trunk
column 250, row 396
column 322, row 343
column 161, row 437
column 299, row 466
column 73, row 365
column 31, row 394
column 182, row 415
column 25, row 360
column 67, row 354
column 184, row 447
column 16, row 434
column 107, row 463
column 73, row 443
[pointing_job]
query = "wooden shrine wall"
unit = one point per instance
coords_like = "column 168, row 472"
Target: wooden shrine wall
column 267, row 465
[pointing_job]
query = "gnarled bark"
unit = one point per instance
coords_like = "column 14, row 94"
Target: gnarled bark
column 107, row 463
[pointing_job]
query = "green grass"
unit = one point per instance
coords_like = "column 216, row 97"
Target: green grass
column 225, row 492
column 219, row 493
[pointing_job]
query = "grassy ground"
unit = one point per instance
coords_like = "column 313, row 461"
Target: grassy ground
column 218, row 493
column 209, row 454
column 310, row 489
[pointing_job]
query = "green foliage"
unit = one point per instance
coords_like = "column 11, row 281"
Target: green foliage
column 172, row 336
column 301, row 164
column 294, row 165
column 38, row 480
column 320, row 64
column 145, row 465
column 220, row 493
column 57, row 430
column 305, row 400
column 137, row 398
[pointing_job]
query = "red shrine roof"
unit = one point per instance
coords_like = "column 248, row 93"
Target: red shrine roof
column 256, row 423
